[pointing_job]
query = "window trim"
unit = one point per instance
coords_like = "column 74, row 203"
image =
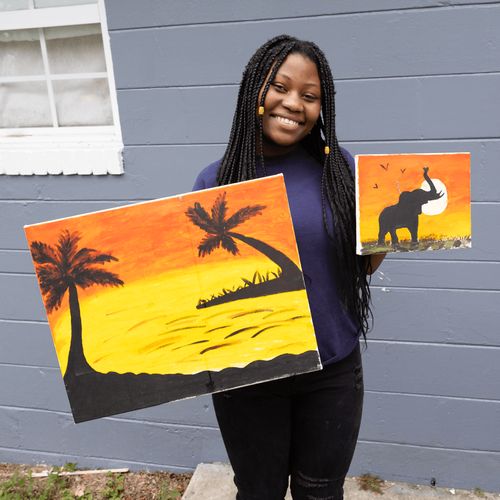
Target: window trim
column 50, row 16
column 80, row 150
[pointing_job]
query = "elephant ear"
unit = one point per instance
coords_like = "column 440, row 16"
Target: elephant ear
column 412, row 201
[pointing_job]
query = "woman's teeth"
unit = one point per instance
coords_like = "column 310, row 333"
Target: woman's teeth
column 287, row 121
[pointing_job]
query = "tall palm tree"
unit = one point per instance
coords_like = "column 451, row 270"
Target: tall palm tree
column 67, row 267
column 219, row 233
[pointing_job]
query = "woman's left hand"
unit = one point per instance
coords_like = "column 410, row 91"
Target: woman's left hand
column 373, row 261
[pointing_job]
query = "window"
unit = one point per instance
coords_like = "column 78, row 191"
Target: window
column 58, row 108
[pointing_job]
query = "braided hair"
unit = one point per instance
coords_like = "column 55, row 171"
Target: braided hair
column 239, row 162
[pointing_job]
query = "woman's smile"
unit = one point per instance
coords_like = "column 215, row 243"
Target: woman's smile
column 287, row 121
column 292, row 105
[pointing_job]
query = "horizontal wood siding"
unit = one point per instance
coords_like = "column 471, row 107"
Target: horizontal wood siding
column 412, row 76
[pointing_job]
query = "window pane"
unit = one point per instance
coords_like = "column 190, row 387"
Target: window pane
column 20, row 53
column 24, row 105
column 83, row 102
column 14, row 4
column 75, row 49
column 60, row 3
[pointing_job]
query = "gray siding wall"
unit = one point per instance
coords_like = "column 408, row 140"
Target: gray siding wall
column 412, row 76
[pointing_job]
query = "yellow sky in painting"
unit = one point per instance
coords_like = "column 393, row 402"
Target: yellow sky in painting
column 153, row 326
column 379, row 187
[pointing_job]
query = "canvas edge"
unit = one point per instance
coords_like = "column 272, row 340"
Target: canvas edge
column 416, row 154
column 358, row 208
column 300, row 266
column 180, row 195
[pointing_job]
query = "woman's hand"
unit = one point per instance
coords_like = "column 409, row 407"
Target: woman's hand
column 373, row 262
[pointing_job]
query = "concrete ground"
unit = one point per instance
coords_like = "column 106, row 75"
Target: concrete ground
column 215, row 482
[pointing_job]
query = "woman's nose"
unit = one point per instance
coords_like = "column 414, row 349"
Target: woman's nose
column 292, row 102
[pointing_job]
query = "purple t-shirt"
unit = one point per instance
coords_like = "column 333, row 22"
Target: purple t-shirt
column 336, row 331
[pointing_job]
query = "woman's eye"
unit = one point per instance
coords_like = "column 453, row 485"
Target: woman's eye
column 279, row 87
column 310, row 97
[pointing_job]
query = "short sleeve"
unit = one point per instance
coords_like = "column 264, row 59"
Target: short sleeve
column 199, row 183
column 207, row 178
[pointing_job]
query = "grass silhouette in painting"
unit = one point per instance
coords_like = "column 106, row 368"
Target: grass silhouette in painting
column 430, row 242
column 219, row 233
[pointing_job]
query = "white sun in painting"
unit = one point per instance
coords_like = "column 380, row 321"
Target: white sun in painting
column 435, row 207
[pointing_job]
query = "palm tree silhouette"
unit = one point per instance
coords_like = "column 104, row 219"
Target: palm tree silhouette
column 219, row 233
column 67, row 267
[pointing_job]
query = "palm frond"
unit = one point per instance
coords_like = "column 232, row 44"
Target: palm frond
column 229, row 244
column 67, row 247
column 243, row 214
column 199, row 216
column 87, row 256
column 54, row 297
column 82, row 255
column 219, row 210
column 92, row 276
column 52, row 284
column 57, row 268
column 208, row 244
column 43, row 253
column 49, row 276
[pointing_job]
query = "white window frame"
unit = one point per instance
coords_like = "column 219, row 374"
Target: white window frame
column 62, row 150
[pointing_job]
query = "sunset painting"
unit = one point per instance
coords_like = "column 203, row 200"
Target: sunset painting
column 412, row 202
column 174, row 298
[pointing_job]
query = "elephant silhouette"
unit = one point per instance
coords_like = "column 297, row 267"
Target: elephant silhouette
column 405, row 213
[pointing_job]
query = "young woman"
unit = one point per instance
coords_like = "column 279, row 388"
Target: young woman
column 304, row 426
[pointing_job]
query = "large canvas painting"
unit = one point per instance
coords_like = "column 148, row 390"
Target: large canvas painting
column 412, row 202
column 173, row 298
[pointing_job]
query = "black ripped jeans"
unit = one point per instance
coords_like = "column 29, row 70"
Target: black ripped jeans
column 305, row 426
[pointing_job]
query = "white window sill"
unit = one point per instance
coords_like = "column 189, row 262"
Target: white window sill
column 48, row 155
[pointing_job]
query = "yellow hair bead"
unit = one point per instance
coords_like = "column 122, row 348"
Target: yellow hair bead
column 261, row 110
column 327, row 150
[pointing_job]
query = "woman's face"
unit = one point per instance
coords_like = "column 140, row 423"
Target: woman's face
column 292, row 105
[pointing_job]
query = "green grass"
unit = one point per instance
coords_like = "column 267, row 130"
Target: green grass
column 115, row 487
column 17, row 487
column 70, row 467
column 23, row 486
column 166, row 493
column 370, row 482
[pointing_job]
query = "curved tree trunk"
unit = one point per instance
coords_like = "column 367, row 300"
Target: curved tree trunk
column 287, row 266
column 77, row 364
column 291, row 278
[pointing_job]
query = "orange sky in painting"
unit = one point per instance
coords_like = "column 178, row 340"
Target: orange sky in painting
column 452, row 169
column 155, row 237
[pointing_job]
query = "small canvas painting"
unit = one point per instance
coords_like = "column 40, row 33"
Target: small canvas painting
column 412, row 202
column 174, row 298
